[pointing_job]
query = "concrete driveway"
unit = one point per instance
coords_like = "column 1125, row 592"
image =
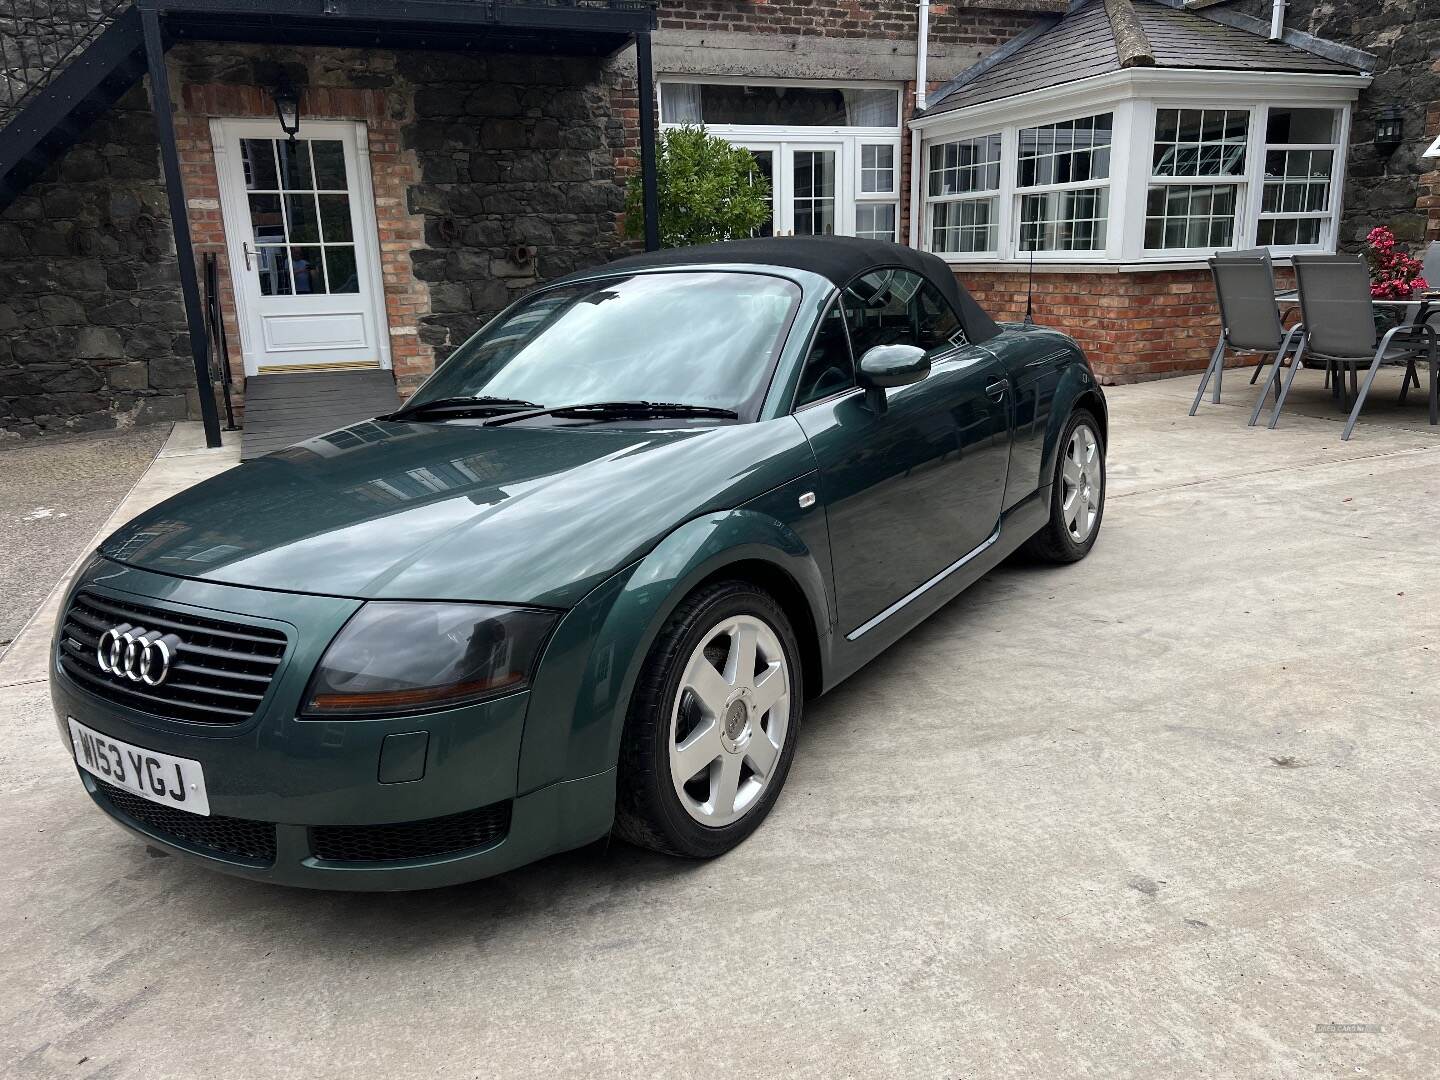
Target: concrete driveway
column 1171, row 812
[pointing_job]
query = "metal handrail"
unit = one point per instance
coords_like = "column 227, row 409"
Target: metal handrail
column 39, row 37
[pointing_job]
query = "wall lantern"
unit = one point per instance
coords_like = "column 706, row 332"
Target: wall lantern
column 287, row 107
column 1389, row 129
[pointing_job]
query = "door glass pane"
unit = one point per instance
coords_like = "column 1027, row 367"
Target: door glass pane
column 294, row 164
column 340, row 262
column 828, row 367
column 303, row 221
column 266, row 219
column 329, row 164
column 814, row 180
column 258, row 159
column 765, row 161
column 335, row 218
column 307, row 270
column 273, row 267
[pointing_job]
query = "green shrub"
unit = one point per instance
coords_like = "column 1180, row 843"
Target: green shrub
column 709, row 191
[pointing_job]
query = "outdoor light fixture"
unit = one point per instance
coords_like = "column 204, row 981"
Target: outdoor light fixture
column 287, row 107
column 1389, row 129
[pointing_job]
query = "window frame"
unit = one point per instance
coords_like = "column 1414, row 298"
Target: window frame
column 779, row 138
column 1329, row 218
column 1134, row 96
column 993, row 195
column 1243, row 228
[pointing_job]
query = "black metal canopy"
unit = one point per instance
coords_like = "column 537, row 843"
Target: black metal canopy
column 566, row 27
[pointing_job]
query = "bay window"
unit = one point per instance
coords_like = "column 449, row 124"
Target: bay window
column 1162, row 167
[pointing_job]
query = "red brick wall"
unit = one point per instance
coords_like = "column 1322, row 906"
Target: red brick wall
column 393, row 170
column 1133, row 326
column 950, row 23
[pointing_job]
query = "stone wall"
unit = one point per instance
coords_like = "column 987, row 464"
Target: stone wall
column 92, row 330
column 1405, row 37
column 522, row 170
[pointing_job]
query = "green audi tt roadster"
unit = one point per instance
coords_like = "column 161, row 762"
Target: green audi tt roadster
column 584, row 581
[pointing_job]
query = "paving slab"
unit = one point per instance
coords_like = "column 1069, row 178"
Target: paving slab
column 54, row 494
column 1170, row 812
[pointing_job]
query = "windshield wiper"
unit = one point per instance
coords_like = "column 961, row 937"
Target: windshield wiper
column 621, row 410
column 461, row 407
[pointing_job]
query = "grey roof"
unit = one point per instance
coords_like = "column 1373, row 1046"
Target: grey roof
column 1082, row 45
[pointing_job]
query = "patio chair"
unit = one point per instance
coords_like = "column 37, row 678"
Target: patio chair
column 1340, row 329
column 1430, row 271
column 1249, row 319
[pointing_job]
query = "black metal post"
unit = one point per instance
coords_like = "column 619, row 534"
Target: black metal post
column 649, row 182
column 180, row 222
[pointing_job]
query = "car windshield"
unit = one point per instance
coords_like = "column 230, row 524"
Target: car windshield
column 690, row 338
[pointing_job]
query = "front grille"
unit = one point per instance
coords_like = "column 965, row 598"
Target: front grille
column 254, row 840
column 219, row 675
column 412, row 839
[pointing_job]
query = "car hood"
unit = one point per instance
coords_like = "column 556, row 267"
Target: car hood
column 532, row 515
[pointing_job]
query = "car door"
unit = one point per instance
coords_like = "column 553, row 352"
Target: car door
column 914, row 489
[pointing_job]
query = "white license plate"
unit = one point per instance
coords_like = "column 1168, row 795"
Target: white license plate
column 175, row 782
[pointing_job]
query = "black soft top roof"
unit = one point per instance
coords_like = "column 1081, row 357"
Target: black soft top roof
column 841, row 259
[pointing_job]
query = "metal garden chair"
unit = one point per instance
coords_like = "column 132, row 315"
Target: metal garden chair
column 1249, row 320
column 1340, row 329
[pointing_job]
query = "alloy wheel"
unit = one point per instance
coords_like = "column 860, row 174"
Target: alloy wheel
column 729, row 721
column 1082, row 478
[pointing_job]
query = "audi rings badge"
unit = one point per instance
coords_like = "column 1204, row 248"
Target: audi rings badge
column 137, row 654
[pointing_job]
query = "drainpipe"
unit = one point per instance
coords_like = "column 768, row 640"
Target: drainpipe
column 1277, row 19
column 922, row 50
column 922, row 57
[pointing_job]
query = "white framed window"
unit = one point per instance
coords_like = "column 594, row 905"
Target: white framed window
column 831, row 152
column 1139, row 166
column 1301, row 148
column 1062, row 183
column 963, row 188
column 1197, row 177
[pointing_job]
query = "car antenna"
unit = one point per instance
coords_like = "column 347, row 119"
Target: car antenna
column 1030, row 292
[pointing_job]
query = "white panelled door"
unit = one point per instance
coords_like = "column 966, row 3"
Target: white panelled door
column 304, row 258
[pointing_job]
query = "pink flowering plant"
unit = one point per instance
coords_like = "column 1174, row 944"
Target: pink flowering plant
column 1394, row 275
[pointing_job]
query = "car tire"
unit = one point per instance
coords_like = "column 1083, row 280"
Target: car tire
column 735, row 735
column 1079, row 474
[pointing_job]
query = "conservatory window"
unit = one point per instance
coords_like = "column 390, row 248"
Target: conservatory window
column 1197, row 170
column 1062, row 181
column 964, row 187
column 1300, row 151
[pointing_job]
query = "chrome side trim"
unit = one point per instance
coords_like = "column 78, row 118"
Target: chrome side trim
column 865, row 628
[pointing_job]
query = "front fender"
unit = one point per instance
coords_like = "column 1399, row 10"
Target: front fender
column 1076, row 381
column 582, row 691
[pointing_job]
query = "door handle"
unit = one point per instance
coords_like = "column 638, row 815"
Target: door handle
column 996, row 390
column 245, row 247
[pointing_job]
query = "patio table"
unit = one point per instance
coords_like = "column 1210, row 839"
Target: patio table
column 1407, row 310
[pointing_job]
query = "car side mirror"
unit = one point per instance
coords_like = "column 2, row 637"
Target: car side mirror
column 885, row 366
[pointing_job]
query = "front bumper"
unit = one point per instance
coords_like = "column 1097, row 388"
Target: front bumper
column 309, row 779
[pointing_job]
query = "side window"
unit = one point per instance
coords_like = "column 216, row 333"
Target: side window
column 939, row 326
column 898, row 307
column 828, row 366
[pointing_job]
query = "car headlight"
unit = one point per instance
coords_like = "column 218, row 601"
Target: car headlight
column 400, row 657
